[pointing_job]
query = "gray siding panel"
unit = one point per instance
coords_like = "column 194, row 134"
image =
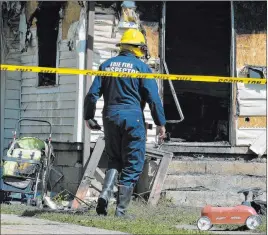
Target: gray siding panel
column 12, row 97
column 56, row 105
column 50, row 97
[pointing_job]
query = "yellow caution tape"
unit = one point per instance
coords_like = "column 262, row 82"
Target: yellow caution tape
column 192, row 78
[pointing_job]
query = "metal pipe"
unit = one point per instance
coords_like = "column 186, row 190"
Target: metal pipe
column 173, row 92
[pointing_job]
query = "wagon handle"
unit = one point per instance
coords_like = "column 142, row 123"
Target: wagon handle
column 33, row 120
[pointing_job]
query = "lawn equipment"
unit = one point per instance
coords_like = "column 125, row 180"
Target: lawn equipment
column 26, row 166
column 244, row 214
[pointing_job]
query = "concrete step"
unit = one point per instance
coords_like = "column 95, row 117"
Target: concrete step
column 217, row 167
column 214, row 182
column 202, row 198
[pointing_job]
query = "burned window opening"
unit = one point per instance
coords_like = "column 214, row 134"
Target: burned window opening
column 48, row 18
column 199, row 46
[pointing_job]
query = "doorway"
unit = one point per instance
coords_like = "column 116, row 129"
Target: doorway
column 198, row 42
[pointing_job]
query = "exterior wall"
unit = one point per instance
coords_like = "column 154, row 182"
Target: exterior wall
column 250, row 26
column 54, row 104
column 11, row 82
column 105, row 40
column 2, row 84
column 58, row 104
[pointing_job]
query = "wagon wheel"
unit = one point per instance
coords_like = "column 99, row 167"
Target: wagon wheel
column 253, row 222
column 204, row 223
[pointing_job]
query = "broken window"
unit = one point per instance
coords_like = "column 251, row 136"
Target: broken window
column 251, row 71
column 48, row 18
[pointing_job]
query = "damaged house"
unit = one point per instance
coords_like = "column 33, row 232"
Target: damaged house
column 218, row 120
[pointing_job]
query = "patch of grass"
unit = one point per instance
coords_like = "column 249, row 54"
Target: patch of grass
column 148, row 220
column 263, row 227
column 14, row 209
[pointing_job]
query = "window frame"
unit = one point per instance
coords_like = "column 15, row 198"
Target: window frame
column 59, row 39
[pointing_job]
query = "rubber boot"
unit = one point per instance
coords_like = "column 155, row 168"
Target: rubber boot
column 123, row 200
column 107, row 191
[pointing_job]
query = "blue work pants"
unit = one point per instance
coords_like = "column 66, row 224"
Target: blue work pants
column 124, row 130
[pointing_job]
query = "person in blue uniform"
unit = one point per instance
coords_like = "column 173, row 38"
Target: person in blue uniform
column 123, row 118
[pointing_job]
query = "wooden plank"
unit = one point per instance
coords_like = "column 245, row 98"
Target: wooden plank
column 13, row 75
column 67, row 79
column 46, row 105
column 57, row 121
column 12, row 94
column 51, row 97
column 68, row 63
column 49, row 113
column 67, row 55
column 252, row 122
column 64, row 88
column 12, row 113
column 10, row 123
column 27, row 75
column 89, row 172
column 250, row 49
column 67, row 88
column 160, row 177
column 12, row 104
column 29, row 59
column 29, row 82
column 33, row 129
column 13, row 84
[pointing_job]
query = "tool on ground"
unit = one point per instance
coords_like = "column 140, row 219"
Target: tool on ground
column 244, row 214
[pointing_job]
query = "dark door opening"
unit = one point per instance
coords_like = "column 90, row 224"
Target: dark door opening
column 198, row 42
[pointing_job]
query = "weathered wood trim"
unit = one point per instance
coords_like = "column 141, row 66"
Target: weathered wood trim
column 2, row 109
column 2, row 88
column 81, row 64
column 233, row 88
column 160, row 176
column 88, row 80
column 40, row 89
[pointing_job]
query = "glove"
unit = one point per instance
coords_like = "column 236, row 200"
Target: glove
column 93, row 124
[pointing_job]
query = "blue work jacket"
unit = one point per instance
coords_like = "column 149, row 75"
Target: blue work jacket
column 125, row 91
